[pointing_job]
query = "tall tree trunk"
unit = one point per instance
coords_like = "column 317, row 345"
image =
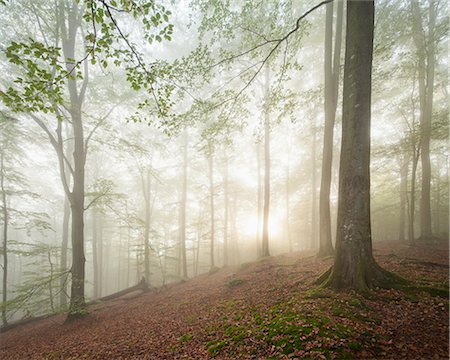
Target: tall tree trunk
column 234, row 231
column 225, row 216
column 95, row 252
column 147, row 198
column 354, row 266
column 260, row 202
column 77, row 300
column 183, row 205
column 314, row 188
column 211, row 200
column 426, row 68
column 5, row 237
column 287, row 197
column 265, row 231
column 437, row 207
column 412, row 202
column 100, row 253
column 77, row 195
column 64, row 246
column 331, row 68
column 403, row 192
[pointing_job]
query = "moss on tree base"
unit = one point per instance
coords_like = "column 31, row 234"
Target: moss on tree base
column 76, row 314
column 362, row 279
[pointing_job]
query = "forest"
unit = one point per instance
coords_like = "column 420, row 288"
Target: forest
column 230, row 179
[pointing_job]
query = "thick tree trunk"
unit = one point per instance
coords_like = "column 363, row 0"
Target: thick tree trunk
column 354, row 266
column 5, row 238
column 265, row 231
column 332, row 69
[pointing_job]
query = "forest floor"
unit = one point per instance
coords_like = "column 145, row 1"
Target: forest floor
column 262, row 310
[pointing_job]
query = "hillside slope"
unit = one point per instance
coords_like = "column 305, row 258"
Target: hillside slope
column 266, row 309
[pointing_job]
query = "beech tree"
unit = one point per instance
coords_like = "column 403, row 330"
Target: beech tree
column 354, row 265
column 332, row 63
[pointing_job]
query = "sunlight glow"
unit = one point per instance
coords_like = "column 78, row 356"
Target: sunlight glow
column 251, row 226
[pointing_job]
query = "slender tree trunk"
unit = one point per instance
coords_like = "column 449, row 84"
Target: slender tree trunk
column 100, row 253
column 211, row 200
column 64, row 246
column 354, row 266
column 50, row 282
column 183, row 205
column 77, row 300
column 331, row 96
column 314, row 188
column 77, row 195
column 412, row 204
column 95, row 252
column 147, row 197
column 426, row 68
column 199, row 237
column 265, row 231
column 128, row 255
column 225, row 216
column 5, row 238
column 437, row 207
column 259, row 195
column 403, row 192
column 234, row 232
column 287, row 197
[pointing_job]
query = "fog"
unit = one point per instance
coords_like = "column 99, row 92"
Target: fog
column 172, row 176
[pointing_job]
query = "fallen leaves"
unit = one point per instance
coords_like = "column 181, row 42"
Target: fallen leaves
column 265, row 309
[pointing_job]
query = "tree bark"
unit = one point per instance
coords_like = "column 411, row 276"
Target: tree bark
column 211, row 200
column 147, row 199
column 77, row 195
column 332, row 69
column 95, row 252
column 5, row 238
column 403, row 192
column 354, row 266
column 314, row 189
column 183, row 205
column 265, row 231
column 412, row 202
column 426, row 67
column 225, row 216
column 287, row 197
column 260, row 202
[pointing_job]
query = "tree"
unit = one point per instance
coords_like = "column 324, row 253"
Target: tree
column 13, row 188
column 41, row 90
column 210, row 155
column 183, row 200
column 266, row 206
column 425, row 47
column 354, row 265
column 332, row 70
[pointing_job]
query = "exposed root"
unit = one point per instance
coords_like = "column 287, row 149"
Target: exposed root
column 364, row 280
